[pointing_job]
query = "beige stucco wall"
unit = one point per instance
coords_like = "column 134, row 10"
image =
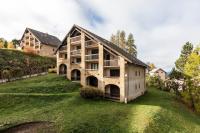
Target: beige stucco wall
column 135, row 84
column 47, row 50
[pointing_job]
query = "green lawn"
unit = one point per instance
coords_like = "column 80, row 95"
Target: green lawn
column 53, row 98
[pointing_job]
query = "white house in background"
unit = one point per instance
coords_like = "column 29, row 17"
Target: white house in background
column 158, row 72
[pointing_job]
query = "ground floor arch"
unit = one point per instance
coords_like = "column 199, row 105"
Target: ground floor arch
column 112, row 91
column 75, row 75
column 92, row 81
column 62, row 69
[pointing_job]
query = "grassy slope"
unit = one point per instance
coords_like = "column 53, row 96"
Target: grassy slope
column 155, row 112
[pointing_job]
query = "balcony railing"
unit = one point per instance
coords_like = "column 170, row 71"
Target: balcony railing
column 76, row 52
column 91, row 69
column 90, row 43
column 75, row 39
column 63, row 48
column 92, row 57
column 111, row 63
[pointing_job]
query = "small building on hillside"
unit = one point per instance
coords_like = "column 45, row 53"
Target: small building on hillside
column 93, row 61
column 39, row 43
column 158, row 72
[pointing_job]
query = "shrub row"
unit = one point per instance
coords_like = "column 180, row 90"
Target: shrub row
column 91, row 93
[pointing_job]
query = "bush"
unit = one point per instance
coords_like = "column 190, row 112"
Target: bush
column 6, row 74
column 171, row 85
column 91, row 93
column 155, row 81
column 52, row 70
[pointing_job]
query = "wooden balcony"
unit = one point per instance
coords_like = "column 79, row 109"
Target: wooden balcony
column 75, row 40
column 91, row 44
column 92, row 57
column 63, row 49
column 111, row 63
column 76, row 52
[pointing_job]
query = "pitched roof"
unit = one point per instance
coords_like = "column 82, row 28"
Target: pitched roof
column 156, row 69
column 109, row 44
column 45, row 38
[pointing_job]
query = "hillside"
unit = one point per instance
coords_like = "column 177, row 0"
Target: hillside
column 54, row 99
column 15, row 63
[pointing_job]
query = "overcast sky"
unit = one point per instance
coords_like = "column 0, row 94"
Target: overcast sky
column 160, row 27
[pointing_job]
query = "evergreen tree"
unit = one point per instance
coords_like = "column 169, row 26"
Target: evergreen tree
column 131, row 47
column 113, row 38
column 185, row 52
column 122, row 40
column 126, row 44
column 117, row 38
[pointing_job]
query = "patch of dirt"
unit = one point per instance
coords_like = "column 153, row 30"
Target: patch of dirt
column 32, row 127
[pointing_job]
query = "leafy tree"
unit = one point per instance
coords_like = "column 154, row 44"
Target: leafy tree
column 10, row 45
column 152, row 66
column 191, row 95
column 1, row 43
column 174, row 74
column 185, row 52
column 131, row 47
column 5, row 44
column 192, row 67
column 16, row 42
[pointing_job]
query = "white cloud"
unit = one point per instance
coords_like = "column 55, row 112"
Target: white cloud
column 160, row 27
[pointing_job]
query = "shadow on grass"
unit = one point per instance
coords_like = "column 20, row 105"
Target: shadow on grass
column 172, row 117
column 20, row 108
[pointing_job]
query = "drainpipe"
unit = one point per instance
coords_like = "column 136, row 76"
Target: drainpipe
column 127, row 89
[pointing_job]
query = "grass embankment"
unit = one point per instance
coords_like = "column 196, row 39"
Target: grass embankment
column 14, row 63
column 51, row 98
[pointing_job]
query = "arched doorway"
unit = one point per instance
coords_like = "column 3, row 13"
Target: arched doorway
column 75, row 75
column 112, row 91
column 92, row 81
column 62, row 69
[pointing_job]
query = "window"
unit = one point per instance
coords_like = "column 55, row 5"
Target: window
column 78, row 60
column 78, row 47
column 135, row 73
column 94, row 66
column 65, row 56
column 139, row 85
column 94, row 51
column 136, row 86
column 115, row 72
column 53, row 49
column 60, row 56
column 139, row 73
